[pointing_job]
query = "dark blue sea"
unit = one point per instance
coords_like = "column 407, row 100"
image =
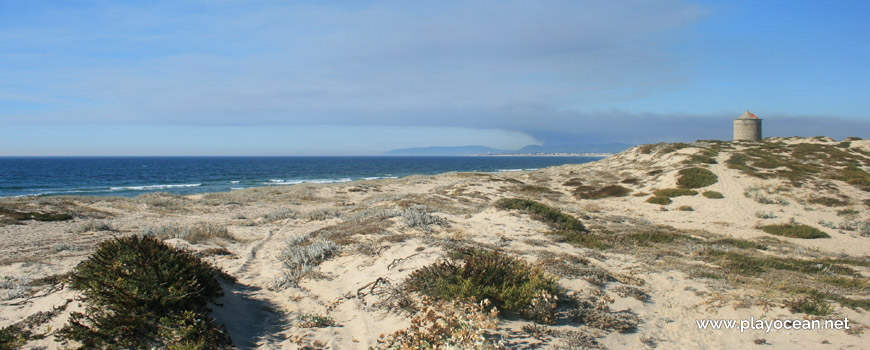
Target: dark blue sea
column 131, row 176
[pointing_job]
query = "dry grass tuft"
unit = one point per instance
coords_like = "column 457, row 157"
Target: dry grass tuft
column 196, row 233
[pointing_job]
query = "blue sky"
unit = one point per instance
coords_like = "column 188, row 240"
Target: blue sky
column 363, row 77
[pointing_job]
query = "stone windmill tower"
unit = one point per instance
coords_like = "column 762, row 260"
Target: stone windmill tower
column 747, row 127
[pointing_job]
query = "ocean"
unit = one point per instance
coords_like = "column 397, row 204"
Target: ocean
column 131, row 176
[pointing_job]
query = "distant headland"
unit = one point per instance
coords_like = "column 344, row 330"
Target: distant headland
column 588, row 150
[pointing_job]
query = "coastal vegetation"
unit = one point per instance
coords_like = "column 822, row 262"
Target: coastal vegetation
column 660, row 200
column 675, row 192
column 141, row 293
column 696, row 178
column 591, row 192
column 544, row 213
column 713, row 195
column 795, row 230
column 509, row 283
column 194, row 233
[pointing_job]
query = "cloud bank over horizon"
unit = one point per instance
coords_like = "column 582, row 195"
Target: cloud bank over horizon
column 554, row 70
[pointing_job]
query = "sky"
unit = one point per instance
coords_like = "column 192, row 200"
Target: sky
column 227, row 77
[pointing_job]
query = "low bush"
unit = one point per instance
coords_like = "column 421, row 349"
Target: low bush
column 589, row 192
column 855, row 176
column 474, row 275
column 299, row 257
column 544, row 213
column 13, row 337
column 658, row 200
column 94, row 226
column 417, row 218
column 142, row 293
column 740, row 243
column 765, row 215
column 685, row 208
column 533, row 190
column 795, row 230
column 573, row 182
column 446, row 325
column 584, row 239
column 675, row 192
column 828, row 201
column 810, row 306
column 195, row 233
column 749, row 265
column 599, row 315
column 321, row 214
column 713, row 195
column 315, row 321
column 848, row 212
column 280, row 214
column 696, row 178
column 17, row 215
column 700, row 159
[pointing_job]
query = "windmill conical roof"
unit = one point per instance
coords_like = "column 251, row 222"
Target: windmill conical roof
column 747, row 115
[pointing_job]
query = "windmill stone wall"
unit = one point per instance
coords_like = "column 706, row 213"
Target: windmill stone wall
column 747, row 127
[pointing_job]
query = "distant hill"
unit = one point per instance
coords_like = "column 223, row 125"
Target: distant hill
column 480, row 150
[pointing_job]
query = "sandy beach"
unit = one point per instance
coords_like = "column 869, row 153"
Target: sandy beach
column 699, row 257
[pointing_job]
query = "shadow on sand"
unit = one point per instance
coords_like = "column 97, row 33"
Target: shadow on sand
column 249, row 320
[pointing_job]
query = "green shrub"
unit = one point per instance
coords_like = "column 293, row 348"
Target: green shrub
column 854, row 175
column 686, row 208
column 795, row 230
column 583, row 239
column 602, row 241
column 828, row 201
column 508, row 282
column 589, row 192
column 648, row 237
column 142, row 293
column 34, row 215
column 13, row 337
column 315, row 321
column 675, row 192
column 658, row 200
column 532, row 189
column 696, row 178
column 740, row 243
column 809, row 306
column 673, row 147
column 542, row 212
column 848, row 212
column 748, row 265
column 713, row 195
column 700, row 159
column 573, row 182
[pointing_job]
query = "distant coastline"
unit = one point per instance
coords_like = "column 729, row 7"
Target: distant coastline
column 587, row 150
column 546, row 155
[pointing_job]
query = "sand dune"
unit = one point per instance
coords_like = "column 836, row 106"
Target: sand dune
column 670, row 265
